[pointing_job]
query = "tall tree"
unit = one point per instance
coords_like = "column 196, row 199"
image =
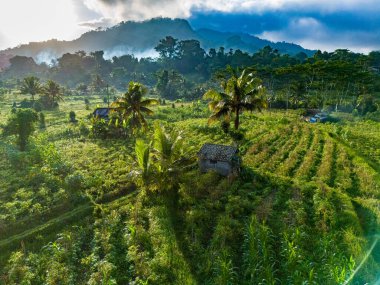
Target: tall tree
column 132, row 106
column 31, row 85
column 98, row 83
column 21, row 124
column 52, row 93
column 190, row 55
column 167, row 48
column 241, row 92
column 169, row 84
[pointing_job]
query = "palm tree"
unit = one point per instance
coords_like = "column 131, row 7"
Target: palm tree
column 169, row 154
column 161, row 162
column 97, row 83
column 31, row 85
column 142, row 151
column 244, row 92
column 52, row 93
column 132, row 106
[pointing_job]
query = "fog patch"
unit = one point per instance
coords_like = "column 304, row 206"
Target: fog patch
column 48, row 57
column 97, row 23
column 123, row 50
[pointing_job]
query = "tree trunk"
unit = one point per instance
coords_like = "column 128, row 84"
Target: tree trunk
column 237, row 118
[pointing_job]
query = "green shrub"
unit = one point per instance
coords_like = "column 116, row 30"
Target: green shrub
column 83, row 129
column 26, row 104
column 74, row 181
column 21, row 124
column 37, row 106
column 225, row 126
column 237, row 135
column 41, row 119
column 72, row 117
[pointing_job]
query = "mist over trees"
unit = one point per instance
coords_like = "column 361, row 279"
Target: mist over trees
column 341, row 79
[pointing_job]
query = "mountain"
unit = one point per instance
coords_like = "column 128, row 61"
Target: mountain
column 245, row 42
column 142, row 37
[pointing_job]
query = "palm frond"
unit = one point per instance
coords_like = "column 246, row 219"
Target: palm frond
column 146, row 110
column 142, row 155
column 149, row 102
column 161, row 142
column 212, row 95
column 222, row 113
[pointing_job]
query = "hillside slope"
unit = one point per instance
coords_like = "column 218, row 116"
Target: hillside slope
column 304, row 209
column 138, row 37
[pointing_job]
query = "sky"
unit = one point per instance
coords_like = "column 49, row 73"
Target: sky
column 314, row 24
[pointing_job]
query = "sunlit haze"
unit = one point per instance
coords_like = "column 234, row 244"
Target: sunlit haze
column 22, row 21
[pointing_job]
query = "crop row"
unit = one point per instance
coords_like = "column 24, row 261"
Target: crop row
column 326, row 169
column 283, row 152
column 271, row 148
column 290, row 165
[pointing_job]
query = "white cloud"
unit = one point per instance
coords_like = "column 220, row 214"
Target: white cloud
column 119, row 10
column 22, row 21
column 138, row 10
column 298, row 28
column 122, row 50
column 312, row 34
column 96, row 23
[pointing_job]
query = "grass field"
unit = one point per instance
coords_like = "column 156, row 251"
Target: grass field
column 305, row 209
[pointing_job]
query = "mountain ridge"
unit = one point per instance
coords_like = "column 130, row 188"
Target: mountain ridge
column 136, row 37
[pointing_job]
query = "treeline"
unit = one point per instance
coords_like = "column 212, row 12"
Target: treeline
column 340, row 80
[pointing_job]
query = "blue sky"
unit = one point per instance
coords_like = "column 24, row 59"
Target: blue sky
column 355, row 30
column 315, row 24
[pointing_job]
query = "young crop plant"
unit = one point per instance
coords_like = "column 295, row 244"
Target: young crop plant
column 283, row 152
column 295, row 158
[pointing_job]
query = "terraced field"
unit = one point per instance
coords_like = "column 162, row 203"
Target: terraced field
column 314, row 190
column 305, row 152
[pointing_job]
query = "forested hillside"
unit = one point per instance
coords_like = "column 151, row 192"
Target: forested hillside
column 141, row 37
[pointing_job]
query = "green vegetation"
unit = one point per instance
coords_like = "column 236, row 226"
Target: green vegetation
column 21, row 124
column 243, row 92
column 120, row 199
column 31, row 85
column 52, row 94
column 132, row 106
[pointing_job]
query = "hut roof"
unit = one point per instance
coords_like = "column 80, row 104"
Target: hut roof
column 102, row 112
column 217, row 152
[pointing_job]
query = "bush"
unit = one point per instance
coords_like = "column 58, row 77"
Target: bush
column 87, row 102
column 332, row 119
column 83, row 129
column 225, row 126
column 72, row 117
column 41, row 119
column 37, row 106
column 21, row 124
column 25, row 104
column 237, row 135
column 374, row 116
column 74, row 182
